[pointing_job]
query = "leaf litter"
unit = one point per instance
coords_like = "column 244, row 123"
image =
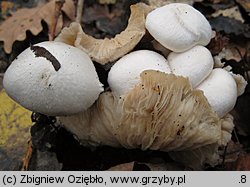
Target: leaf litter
column 14, row 28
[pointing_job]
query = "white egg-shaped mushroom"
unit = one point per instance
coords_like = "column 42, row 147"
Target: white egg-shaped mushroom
column 178, row 27
column 53, row 78
column 220, row 90
column 195, row 64
column 125, row 73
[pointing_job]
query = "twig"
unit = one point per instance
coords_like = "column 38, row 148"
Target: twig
column 58, row 9
column 28, row 156
column 79, row 11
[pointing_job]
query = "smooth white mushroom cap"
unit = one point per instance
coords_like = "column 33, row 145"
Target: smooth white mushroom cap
column 53, row 78
column 178, row 27
column 220, row 90
column 195, row 64
column 125, row 73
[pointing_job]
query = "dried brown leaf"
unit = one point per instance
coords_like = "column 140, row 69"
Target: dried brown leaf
column 241, row 164
column 159, row 164
column 245, row 4
column 233, row 151
column 230, row 26
column 15, row 27
column 123, row 167
column 217, row 43
column 232, row 12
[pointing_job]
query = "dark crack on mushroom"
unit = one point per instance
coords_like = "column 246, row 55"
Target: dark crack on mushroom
column 42, row 52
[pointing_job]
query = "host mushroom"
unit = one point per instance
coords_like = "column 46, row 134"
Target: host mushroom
column 125, row 73
column 53, row 78
column 162, row 112
column 220, row 90
column 195, row 64
column 178, row 27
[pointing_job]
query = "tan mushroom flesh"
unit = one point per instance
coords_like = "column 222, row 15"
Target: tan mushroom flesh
column 163, row 112
column 108, row 50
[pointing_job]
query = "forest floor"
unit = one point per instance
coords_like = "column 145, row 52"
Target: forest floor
column 36, row 143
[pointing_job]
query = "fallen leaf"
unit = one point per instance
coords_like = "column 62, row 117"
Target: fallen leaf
column 106, row 21
column 159, row 164
column 218, row 4
column 230, row 26
column 96, row 12
column 15, row 27
column 153, row 165
column 245, row 4
column 217, row 43
column 123, row 167
column 107, row 1
column 241, row 164
column 232, row 152
column 232, row 12
column 15, row 123
column 44, row 161
column 241, row 113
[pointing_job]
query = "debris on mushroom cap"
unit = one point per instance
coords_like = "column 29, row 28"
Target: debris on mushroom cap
column 178, row 27
column 162, row 112
column 195, row 63
column 220, row 89
column 108, row 50
column 125, row 73
column 53, row 78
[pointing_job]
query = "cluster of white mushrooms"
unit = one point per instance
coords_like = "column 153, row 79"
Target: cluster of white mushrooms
column 178, row 103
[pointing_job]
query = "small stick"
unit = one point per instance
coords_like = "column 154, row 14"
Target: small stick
column 27, row 158
column 58, row 9
column 79, row 11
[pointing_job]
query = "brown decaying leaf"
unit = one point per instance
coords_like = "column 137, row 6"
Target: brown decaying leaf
column 241, row 164
column 232, row 12
column 230, row 26
column 123, row 167
column 231, row 50
column 217, row 43
column 160, row 165
column 15, row 27
column 232, row 152
column 245, row 4
column 108, row 50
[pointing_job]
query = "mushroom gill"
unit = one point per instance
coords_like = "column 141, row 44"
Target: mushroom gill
column 163, row 112
column 108, row 50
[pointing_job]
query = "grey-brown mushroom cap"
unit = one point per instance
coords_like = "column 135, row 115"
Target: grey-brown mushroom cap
column 108, row 50
column 163, row 113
